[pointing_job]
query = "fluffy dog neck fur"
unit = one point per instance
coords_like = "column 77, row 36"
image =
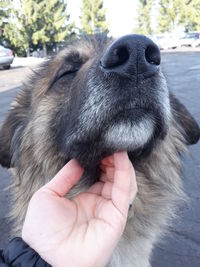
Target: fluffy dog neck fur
column 159, row 189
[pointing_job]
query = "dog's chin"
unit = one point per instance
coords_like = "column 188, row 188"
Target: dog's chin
column 121, row 134
column 129, row 135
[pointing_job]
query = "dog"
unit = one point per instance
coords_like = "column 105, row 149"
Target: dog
column 96, row 97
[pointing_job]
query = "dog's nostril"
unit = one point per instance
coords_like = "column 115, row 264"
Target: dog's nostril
column 122, row 55
column 152, row 55
column 117, row 57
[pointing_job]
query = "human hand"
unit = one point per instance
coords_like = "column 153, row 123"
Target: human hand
column 82, row 231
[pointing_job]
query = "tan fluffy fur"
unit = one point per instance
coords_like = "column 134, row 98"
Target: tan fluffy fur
column 158, row 175
column 159, row 189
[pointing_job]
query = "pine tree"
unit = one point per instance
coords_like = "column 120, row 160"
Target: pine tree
column 50, row 22
column 179, row 12
column 170, row 14
column 5, row 10
column 144, row 17
column 93, row 17
column 190, row 15
column 11, row 30
column 18, row 31
column 36, row 23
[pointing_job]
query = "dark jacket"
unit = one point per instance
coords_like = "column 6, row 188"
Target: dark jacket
column 19, row 254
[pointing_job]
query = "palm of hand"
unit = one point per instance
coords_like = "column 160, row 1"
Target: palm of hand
column 87, row 225
column 89, row 222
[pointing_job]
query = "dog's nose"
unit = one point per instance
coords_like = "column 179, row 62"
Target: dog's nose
column 132, row 55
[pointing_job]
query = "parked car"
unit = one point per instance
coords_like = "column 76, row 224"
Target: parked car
column 167, row 41
column 191, row 39
column 6, row 57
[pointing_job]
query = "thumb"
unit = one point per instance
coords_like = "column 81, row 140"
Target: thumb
column 124, row 186
column 65, row 179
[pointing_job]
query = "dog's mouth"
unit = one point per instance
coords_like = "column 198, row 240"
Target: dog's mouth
column 129, row 130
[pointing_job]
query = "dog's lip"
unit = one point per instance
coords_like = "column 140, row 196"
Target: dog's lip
column 128, row 113
column 128, row 104
column 136, row 111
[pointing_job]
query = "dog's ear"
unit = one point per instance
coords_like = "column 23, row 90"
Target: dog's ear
column 7, row 132
column 11, row 130
column 185, row 121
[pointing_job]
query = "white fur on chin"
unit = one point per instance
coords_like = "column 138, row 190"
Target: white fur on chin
column 129, row 135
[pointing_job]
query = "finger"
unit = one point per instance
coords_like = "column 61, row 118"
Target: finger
column 121, row 192
column 103, row 168
column 103, row 177
column 133, row 187
column 108, row 175
column 96, row 188
column 108, row 161
column 66, row 178
column 107, row 190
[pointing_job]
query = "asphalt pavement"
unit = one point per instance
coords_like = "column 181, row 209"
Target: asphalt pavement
column 181, row 246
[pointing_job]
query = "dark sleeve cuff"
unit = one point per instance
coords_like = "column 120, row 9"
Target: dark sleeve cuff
column 19, row 254
column 2, row 262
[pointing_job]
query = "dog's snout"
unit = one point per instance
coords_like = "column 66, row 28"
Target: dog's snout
column 132, row 55
column 115, row 57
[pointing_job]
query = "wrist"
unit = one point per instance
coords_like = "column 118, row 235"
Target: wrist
column 19, row 254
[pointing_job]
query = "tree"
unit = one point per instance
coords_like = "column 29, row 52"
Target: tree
column 5, row 10
column 93, row 17
column 50, row 22
column 34, row 23
column 170, row 13
column 190, row 15
column 18, row 31
column 179, row 12
column 144, row 17
column 25, row 24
